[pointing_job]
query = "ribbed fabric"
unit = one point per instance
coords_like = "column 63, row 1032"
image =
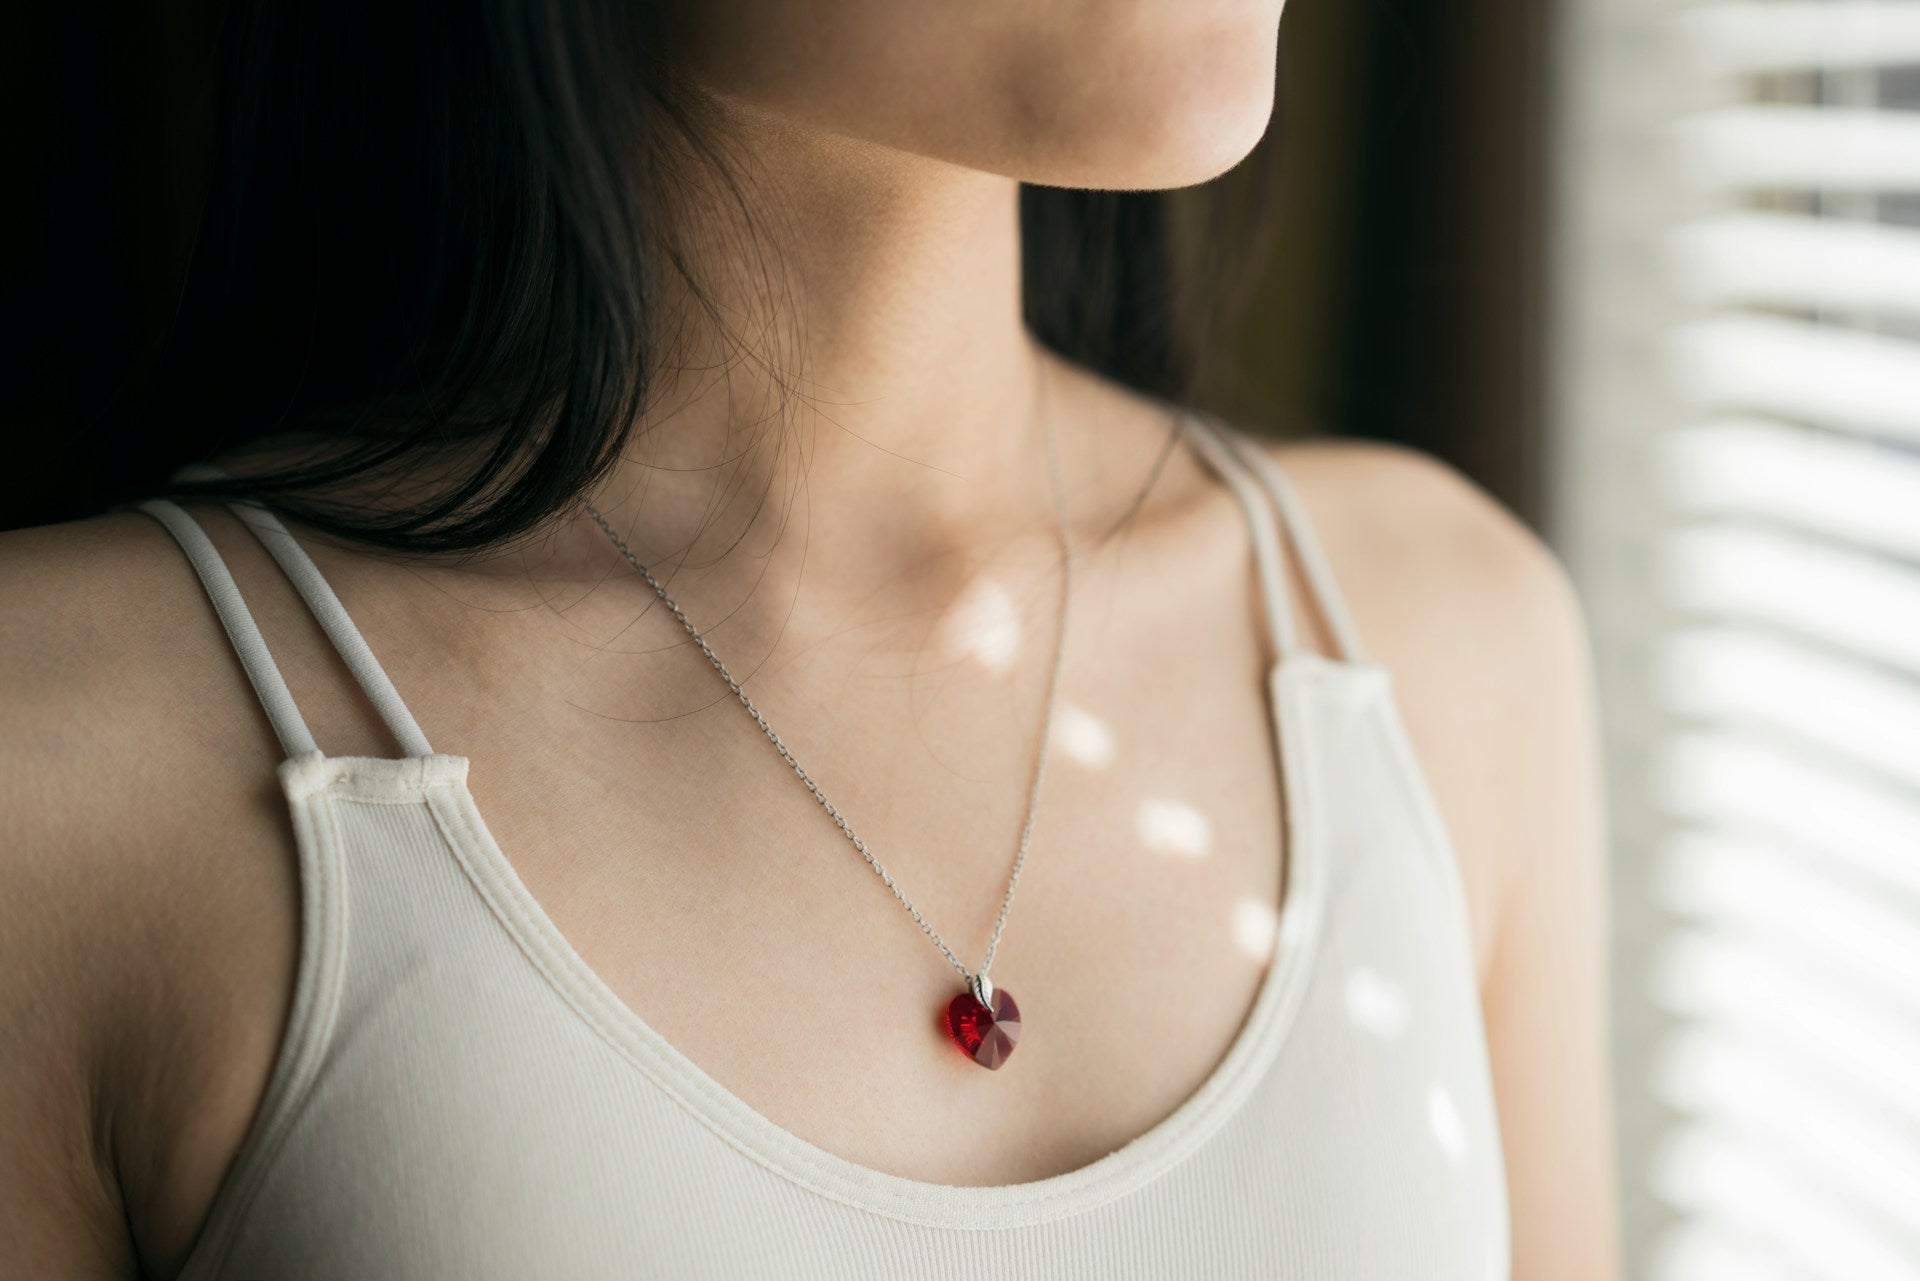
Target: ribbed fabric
column 459, row 1096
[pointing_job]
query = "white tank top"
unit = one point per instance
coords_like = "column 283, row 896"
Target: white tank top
column 458, row 1095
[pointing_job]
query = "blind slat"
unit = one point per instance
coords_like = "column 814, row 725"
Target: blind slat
column 1717, row 778
column 1868, row 716
column 1702, row 1248
column 1757, row 147
column 1868, row 606
column 1824, row 483
column 1811, row 1123
column 1716, row 1176
column 1741, row 991
column 1798, row 260
column 1800, row 370
column 1820, row 923
column 1779, row 35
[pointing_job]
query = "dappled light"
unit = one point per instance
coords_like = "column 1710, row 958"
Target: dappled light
column 1174, row 827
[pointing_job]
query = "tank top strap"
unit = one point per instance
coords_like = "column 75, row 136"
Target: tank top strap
column 262, row 672
column 1207, row 436
column 320, row 599
column 1218, row 438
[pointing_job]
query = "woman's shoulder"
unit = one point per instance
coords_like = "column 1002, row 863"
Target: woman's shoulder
column 103, row 653
column 1395, row 509
column 132, row 878
column 1478, row 622
column 88, row 618
column 1434, row 568
column 123, row 714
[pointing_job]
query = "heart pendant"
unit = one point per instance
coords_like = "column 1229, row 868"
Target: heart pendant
column 988, row 1037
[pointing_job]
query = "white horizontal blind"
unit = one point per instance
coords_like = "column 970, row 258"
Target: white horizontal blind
column 1766, row 668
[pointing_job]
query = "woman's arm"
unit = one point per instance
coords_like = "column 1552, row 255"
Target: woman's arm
column 134, row 923
column 60, row 1208
column 1546, row 989
column 60, row 1213
column 1487, row 647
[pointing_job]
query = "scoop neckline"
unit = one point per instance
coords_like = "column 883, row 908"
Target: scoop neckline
column 1255, row 1047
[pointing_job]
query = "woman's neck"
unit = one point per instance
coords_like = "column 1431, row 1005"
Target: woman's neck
column 854, row 381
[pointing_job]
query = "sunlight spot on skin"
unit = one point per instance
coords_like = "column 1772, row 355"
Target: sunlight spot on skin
column 1174, row 827
column 1374, row 1004
column 1448, row 1129
column 1255, row 927
column 982, row 625
column 1082, row 736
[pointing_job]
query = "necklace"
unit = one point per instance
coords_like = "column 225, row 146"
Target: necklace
column 983, row 1020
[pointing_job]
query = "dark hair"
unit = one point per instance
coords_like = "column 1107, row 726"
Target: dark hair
column 436, row 241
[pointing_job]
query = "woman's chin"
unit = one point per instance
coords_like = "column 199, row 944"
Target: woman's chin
column 1174, row 150
column 1154, row 123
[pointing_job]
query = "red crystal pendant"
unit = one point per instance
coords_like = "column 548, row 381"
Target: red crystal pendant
column 988, row 1037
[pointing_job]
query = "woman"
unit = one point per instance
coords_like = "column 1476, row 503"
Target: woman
column 740, row 293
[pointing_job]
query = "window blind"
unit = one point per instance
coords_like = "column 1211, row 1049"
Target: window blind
column 1740, row 392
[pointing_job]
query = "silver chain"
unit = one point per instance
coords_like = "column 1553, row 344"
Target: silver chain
column 1040, row 756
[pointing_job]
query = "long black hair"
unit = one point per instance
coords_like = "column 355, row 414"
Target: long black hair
column 433, row 238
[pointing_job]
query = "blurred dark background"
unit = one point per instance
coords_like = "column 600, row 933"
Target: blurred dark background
column 1400, row 298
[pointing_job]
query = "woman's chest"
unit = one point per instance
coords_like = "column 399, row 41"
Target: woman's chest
column 479, row 1103
column 715, row 897
column 712, row 895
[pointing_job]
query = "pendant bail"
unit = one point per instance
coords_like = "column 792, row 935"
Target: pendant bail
column 982, row 987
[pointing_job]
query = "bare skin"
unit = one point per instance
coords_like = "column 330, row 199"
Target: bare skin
column 148, row 891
